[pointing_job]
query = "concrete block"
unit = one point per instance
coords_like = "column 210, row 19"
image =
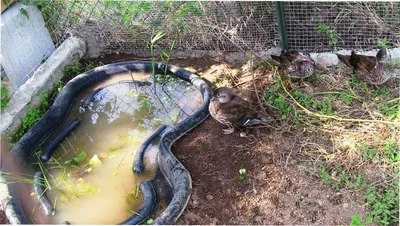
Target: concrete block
column 44, row 79
column 25, row 42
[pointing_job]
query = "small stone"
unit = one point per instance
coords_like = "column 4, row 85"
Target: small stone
column 195, row 202
column 320, row 203
column 238, row 193
column 209, row 197
column 345, row 205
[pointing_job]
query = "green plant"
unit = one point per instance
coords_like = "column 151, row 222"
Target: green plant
column 77, row 68
column 356, row 220
column 390, row 108
column 383, row 204
column 306, row 100
column 327, row 30
column 157, row 37
column 382, row 42
column 149, row 221
column 274, row 96
column 132, row 196
column 392, row 151
column 76, row 160
column 241, row 173
column 202, row 148
column 369, row 154
column 31, row 117
column 339, row 178
column 4, row 97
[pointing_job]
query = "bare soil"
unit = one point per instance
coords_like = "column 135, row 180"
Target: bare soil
column 3, row 218
column 274, row 191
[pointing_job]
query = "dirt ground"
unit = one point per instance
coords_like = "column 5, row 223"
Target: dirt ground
column 3, row 218
column 275, row 189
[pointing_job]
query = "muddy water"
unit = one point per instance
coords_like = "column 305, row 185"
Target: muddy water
column 90, row 174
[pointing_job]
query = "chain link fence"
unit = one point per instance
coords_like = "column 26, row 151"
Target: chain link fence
column 127, row 26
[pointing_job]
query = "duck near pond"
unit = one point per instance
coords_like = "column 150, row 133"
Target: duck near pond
column 231, row 110
column 295, row 64
column 374, row 70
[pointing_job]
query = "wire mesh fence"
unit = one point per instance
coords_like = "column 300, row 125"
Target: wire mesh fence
column 327, row 26
column 126, row 26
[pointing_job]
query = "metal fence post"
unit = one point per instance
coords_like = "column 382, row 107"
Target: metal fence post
column 280, row 16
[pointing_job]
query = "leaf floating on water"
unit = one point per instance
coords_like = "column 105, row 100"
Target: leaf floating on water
column 77, row 159
column 95, row 161
column 80, row 157
column 116, row 172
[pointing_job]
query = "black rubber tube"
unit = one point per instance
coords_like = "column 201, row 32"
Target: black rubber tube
column 49, row 148
column 39, row 190
column 149, row 206
column 89, row 98
column 138, row 164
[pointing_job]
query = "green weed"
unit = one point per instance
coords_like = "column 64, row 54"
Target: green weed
column 4, row 97
column 383, row 204
column 202, row 148
column 392, row 151
column 382, row 42
column 33, row 115
column 306, row 100
column 78, row 67
column 327, row 30
column 241, row 173
column 368, row 153
column 339, row 178
column 356, row 220
column 275, row 97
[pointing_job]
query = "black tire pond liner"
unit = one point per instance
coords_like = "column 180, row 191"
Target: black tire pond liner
column 169, row 167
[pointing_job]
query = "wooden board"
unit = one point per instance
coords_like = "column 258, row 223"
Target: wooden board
column 4, row 6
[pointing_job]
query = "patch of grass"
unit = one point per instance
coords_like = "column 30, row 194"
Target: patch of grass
column 339, row 178
column 392, row 151
column 356, row 220
column 4, row 97
column 278, row 98
column 368, row 153
column 274, row 96
column 202, row 148
column 33, row 115
column 324, row 106
column 78, row 67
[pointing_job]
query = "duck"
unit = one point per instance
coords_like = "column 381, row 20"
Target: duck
column 231, row 110
column 373, row 70
column 295, row 64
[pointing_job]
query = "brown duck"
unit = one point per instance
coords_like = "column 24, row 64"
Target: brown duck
column 370, row 69
column 295, row 64
column 231, row 110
